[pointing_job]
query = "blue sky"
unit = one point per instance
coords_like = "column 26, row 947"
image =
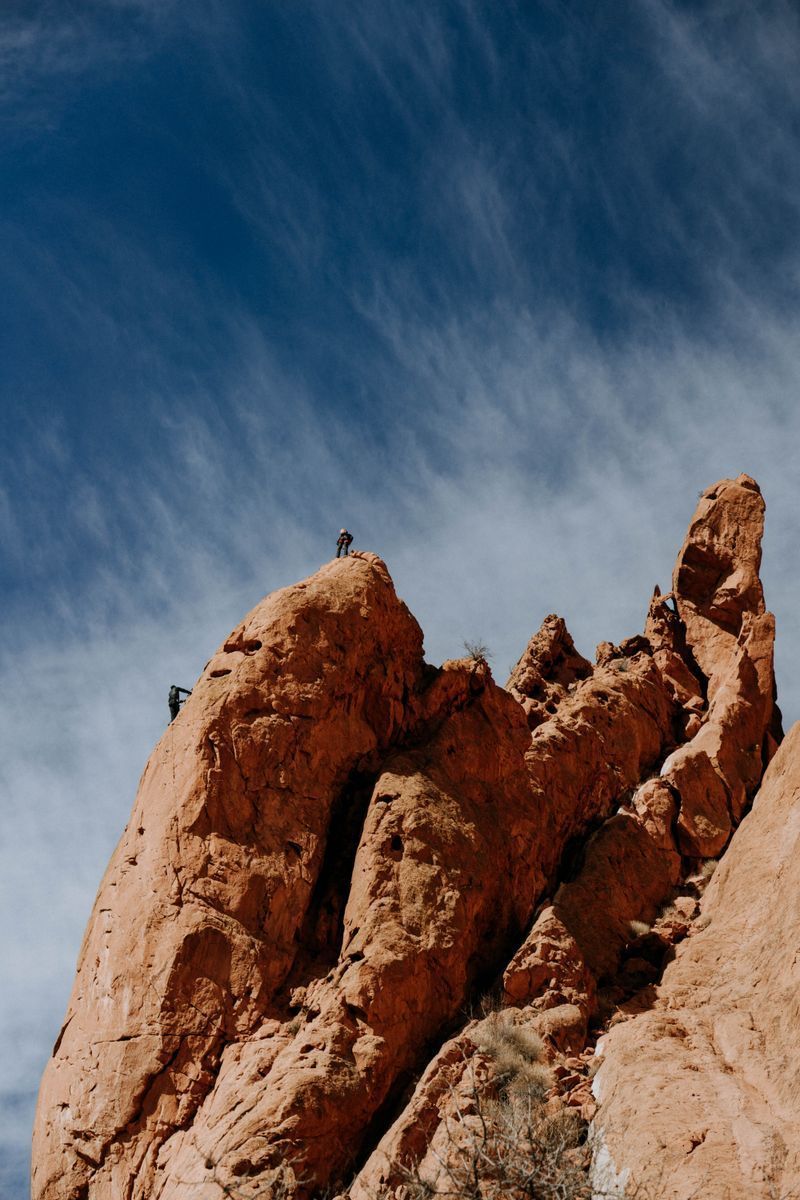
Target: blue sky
column 501, row 287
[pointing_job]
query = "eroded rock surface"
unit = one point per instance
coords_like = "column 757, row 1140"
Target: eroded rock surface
column 700, row 1095
column 196, row 924
column 588, row 950
column 548, row 670
column 336, row 849
column 716, row 579
column 438, row 888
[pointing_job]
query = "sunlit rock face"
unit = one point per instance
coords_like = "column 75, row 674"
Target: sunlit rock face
column 700, row 1095
column 337, row 849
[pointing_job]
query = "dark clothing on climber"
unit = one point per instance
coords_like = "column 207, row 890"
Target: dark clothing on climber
column 175, row 701
column 343, row 543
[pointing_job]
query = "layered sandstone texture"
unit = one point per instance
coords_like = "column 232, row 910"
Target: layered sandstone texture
column 337, row 849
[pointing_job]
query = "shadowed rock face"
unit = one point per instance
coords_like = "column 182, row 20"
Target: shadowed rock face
column 336, row 847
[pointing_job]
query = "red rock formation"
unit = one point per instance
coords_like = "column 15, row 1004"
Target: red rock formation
column 716, row 580
column 335, row 847
column 630, row 866
column 547, row 671
column 196, row 923
column 700, row 1095
column 422, row 921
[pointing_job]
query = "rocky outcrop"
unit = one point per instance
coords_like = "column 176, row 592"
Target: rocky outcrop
column 589, row 949
column 336, row 848
column 421, row 923
column 730, row 636
column 700, row 1095
column 548, row 670
column 198, row 919
column 716, row 581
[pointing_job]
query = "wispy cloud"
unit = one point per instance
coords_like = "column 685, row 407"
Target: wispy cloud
column 483, row 548
column 514, row 360
column 52, row 52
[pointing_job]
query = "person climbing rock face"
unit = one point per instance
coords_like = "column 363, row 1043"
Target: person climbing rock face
column 175, row 701
column 343, row 544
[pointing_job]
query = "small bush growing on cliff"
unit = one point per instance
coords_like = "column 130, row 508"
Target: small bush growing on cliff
column 517, row 1056
column 498, row 1139
column 509, row 1148
column 707, row 869
column 491, row 1001
column 477, row 651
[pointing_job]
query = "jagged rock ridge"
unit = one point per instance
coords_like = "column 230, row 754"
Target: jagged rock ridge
column 336, row 847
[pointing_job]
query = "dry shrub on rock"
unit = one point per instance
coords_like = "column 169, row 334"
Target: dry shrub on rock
column 509, row 1148
column 478, row 651
column 516, row 1054
column 501, row 1141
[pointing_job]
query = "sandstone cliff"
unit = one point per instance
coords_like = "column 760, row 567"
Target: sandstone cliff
column 337, row 850
column 700, row 1092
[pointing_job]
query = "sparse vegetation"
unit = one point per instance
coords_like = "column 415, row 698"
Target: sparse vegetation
column 517, row 1056
column 492, row 1000
column 638, row 928
column 509, row 1148
column 707, row 869
column 669, row 911
column 477, row 651
column 501, row 1138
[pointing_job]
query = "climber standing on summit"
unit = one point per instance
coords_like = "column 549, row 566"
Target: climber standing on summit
column 343, row 543
column 175, row 701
